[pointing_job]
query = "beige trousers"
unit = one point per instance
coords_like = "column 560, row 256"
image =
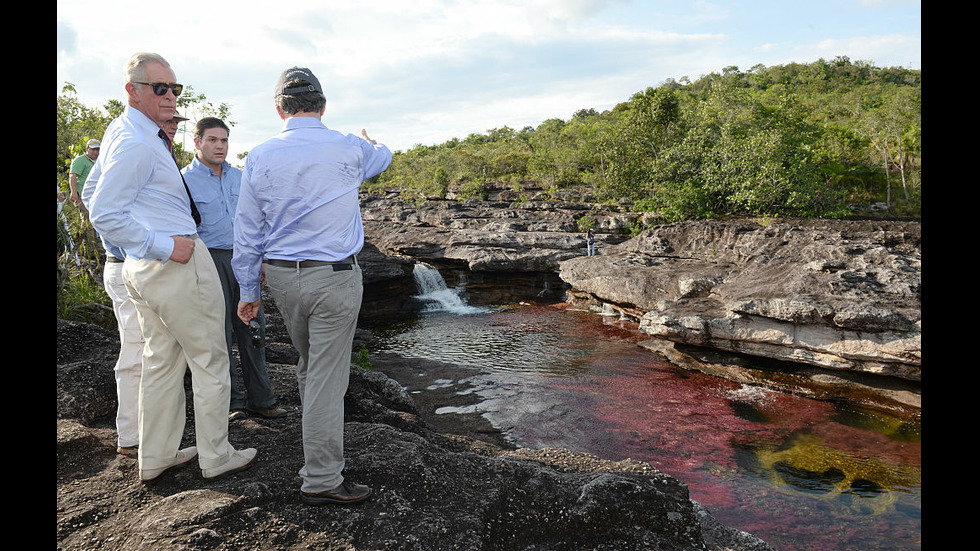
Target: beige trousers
column 182, row 315
column 129, row 365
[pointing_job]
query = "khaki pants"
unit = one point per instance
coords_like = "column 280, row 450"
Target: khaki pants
column 130, row 362
column 182, row 315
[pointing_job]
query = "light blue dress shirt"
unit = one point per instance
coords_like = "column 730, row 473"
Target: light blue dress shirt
column 299, row 198
column 138, row 201
column 216, row 199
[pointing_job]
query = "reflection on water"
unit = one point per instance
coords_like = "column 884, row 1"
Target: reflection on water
column 801, row 474
column 481, row 343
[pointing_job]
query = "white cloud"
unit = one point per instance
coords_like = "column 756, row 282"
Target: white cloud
column 425, row 71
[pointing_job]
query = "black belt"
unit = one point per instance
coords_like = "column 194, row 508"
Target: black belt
column 345, row 264
column 110, row 258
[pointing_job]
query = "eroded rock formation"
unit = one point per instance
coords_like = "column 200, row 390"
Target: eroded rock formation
column 836, row 302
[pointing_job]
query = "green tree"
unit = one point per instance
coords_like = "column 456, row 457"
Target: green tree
column 77, row 124
column 889, row 118
column 551, row 158
column 645, row 129
column 742, row 156
column 509, row 162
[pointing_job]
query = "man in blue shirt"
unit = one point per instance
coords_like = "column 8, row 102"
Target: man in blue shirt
column 129, row 363
column 299, row 212
column 141, row 205
column 214, row 184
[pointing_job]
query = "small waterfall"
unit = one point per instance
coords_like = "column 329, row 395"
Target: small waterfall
column 437, row 296
column 608, row 310
column 546, row 290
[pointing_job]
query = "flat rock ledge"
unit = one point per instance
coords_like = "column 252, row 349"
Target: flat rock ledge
column 488, row 236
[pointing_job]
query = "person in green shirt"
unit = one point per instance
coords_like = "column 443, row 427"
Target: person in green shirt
column 80, row 167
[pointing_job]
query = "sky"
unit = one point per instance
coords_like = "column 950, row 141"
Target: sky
column 425, row 71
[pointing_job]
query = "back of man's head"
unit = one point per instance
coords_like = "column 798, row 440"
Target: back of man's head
column 299, row 91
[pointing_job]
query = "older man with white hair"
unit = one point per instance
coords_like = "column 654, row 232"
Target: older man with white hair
column 141, row 204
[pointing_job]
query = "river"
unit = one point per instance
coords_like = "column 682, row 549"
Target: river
column 801, row 474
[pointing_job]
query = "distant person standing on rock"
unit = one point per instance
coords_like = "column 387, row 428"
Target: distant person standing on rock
column 591, row 239
column 299, row 211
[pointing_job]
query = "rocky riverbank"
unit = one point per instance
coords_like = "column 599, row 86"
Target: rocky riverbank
column 436, row 487
column 826, row 308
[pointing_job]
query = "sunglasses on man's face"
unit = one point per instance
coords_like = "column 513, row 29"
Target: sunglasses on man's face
column 160, row 88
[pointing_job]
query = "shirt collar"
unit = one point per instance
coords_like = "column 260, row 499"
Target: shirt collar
column 293, row 123
column 140, row 120
column 196, row 164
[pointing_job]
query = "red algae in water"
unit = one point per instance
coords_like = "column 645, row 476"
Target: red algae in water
column 779, row 466
column 799, row 473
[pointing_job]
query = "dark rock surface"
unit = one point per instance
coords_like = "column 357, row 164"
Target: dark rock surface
column 434, row 489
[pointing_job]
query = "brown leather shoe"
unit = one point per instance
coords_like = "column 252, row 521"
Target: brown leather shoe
column 268, row 413
column 347, row 493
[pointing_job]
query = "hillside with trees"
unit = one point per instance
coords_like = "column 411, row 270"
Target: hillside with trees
column 815, row 140
column 802, row 140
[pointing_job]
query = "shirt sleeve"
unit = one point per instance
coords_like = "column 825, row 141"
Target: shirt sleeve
column 126, row 171
column 87, row 190
column 246, row 259
column 376, row 158
column 87, row 200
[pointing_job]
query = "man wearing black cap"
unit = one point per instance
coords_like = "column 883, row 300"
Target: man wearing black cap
column 298, row 212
